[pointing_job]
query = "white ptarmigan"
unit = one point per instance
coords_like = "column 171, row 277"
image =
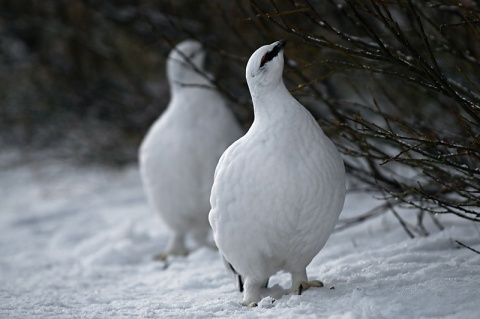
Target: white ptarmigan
column 179, row 153
column 278, row 190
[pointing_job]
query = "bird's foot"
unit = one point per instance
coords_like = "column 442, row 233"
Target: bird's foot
column 250, row 305
column 304, row 285
column 161, row 257
column 164, row 256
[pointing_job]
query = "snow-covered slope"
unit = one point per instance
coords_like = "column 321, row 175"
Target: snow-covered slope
column 78, row 242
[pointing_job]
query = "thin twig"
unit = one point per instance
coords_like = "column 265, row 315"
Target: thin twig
column 468, row 247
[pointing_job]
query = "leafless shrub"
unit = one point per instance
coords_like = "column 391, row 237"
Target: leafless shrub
column 395, row 83
column 400, row 79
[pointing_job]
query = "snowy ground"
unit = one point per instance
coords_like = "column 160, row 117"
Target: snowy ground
column 78, row 242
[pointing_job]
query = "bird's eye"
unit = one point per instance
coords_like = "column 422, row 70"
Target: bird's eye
column 265, row 59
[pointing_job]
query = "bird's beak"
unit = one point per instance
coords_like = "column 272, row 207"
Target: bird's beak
column 281, row 44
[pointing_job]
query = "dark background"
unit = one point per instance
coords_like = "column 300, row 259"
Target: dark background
column 395, row 83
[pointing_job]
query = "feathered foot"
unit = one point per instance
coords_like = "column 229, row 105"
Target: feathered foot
column 251, row 292
column 164, row 256
column 175, row 247
column 250, row 305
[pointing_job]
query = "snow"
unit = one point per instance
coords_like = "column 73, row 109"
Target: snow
column 78, row 242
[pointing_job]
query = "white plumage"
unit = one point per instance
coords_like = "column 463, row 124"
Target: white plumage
column 278, row 190
column 180, row 151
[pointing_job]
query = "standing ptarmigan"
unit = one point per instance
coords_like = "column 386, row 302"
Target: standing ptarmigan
column 278, row 190
column 180, row 151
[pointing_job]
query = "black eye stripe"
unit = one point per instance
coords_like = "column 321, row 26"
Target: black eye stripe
column 194, row 54
column 271, row 54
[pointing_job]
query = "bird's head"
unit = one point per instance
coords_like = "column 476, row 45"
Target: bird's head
column 265, row 66
column 185, row 61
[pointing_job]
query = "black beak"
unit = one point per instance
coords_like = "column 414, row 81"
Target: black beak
column 281, row 44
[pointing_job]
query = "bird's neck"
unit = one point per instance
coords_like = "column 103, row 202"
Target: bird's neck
column 189, row 80
column 270, row 103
